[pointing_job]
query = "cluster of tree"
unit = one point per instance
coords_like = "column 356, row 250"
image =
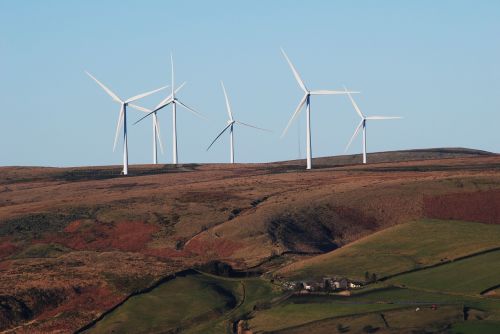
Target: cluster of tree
column 370, row 278
column 223, row 269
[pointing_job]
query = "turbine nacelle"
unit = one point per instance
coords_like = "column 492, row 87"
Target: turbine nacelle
column 122, row 117
column 229, row 125
column 362, row 124
column 172, row 99
column 307, row 95
column 168, row 101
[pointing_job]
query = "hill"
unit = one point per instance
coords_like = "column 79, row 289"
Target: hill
column 78, row 241
column 397, row 249
column 397, row 156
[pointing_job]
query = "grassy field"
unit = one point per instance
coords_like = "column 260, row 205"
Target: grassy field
column 198, row 303
column 257, row 292
column 391, row 321
column 407, row 295
column 321, row 314
column 292, row 314
column 404, row 296
column 175, row 304
column 398, row 249
column 349, row 324
column 474, row 327
column 468, row 276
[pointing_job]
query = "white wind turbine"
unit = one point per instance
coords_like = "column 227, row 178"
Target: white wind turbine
column 230, row 125
column 363, row 124
column 156, row 131
column 307, row 101
column 122, row 118
column 171, row 99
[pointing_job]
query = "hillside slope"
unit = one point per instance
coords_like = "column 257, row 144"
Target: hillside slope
column 78, row 240
column 397, row 250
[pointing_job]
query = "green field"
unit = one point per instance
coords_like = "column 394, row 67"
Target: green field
column 195, row 303
column 292, row 314
column 400, row 248
column 402, row 320
column 406, row 295
column 257, row 292
column 175, row 304
column 467, row 276
column 348, row 324
column 477, row 327
column 318, row 314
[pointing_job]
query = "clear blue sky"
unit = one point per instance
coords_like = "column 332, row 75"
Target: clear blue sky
column 436, row 63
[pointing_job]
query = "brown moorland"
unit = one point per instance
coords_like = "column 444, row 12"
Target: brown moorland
column 74, row 242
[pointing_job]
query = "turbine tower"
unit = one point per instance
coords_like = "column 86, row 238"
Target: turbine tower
column 230, row 125
column 306, row 99
column 122, row 118
column 172, row 99
column 363, row 124
column 156, row 131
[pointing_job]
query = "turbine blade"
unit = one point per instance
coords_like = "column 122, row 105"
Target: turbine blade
column 143, row 117
column 135, row 106
column 295, row 73
column 252, row 126
column 179, row 88
column 157, row 126
column 106, row 89
column 354, row 135
column 140, row 96
column 383, row 117
column 297, row 111
column 190, row 109
column 166, row 101
column 354, row 104
column 220, row 134
column 172, row 64
column 118, row 126
column 227, row 102
column 330, row 92
column 160, row 107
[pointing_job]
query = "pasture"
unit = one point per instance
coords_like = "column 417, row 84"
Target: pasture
column 400, row 248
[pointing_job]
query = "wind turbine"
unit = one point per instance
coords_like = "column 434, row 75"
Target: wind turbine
column 230, row 125
column 363, row 124
column 306, row 99
column 122, row 118
column 156, row 131
column 171, row 99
